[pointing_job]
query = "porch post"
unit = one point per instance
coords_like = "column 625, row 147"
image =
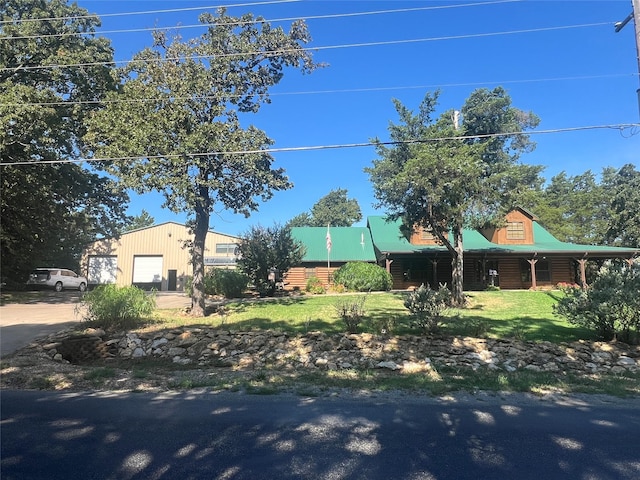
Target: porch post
column 483, row 268
column 533, row 262
column 434, row 262
column 583, row 275
column 388, row 264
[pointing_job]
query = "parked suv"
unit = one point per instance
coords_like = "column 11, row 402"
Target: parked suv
column 56, row 278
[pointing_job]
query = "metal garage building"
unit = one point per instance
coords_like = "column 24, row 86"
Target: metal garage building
column 153, row 257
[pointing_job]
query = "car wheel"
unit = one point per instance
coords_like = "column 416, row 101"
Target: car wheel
column 58, row 287
column 82, row 287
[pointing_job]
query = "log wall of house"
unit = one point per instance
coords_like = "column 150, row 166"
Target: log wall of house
column 399, row 280
column 472, row 274
column 562, row 271
column 509, row 274
column 296, row 277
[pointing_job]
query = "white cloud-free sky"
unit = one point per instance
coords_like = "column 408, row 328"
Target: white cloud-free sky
column 562, row 60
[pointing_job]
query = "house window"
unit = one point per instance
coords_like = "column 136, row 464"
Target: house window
column 426, row 235
column 515, row 231
column 226, row 248
column 543, row 271
column 309, row 273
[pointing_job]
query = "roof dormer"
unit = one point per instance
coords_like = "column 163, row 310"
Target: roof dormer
column 517, row 229
column 423, row 236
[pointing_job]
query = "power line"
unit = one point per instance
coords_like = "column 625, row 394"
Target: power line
column 274, row 20
column 321, row 92
column 146, row 12
column 621, row 127
column 327, row 47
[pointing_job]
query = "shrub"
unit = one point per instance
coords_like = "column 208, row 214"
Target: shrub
column 610, row 306
column 384, row 325
column 228, row 283
column 218, row 281
column 314, row 285
column 351, row 312
column 363, row 277
column 427, row 306
column 116, row 308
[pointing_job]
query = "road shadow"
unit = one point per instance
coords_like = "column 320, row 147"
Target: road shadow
column 48, row 435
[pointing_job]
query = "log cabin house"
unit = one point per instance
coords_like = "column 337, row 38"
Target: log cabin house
column 519, row 255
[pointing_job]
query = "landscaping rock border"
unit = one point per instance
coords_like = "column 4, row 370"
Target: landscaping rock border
column 215, row 347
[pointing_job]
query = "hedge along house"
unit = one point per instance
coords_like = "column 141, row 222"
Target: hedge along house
column 520, row 255
column 153, row 257
column 347, row 244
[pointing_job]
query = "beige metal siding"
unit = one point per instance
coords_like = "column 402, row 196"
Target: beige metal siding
column 167, row 240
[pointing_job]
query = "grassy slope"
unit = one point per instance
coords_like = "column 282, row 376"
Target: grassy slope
column 524, row 314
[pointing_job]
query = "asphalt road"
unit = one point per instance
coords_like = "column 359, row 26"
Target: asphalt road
column 49, row 435
column 43, row 313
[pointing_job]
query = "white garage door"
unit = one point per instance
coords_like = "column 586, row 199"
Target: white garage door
column 147, row 269
column 102, row 269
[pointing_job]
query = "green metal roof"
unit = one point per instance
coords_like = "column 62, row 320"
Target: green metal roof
column 348, row 244
column 388, row 239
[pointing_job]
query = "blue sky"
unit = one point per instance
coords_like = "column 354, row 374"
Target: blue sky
column 560, row 59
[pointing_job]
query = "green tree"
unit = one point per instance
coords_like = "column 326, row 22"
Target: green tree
column 334, row 209
column 574, row 208
column 177, row 113
column 49, row 208
column 301, row 220
column 623, row 189
column 264, row 249
column 140, row 221
column 442, row 178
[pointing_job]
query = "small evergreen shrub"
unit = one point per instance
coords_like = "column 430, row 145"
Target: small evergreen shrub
column 351, row 312
column 314, row 285
column 610, row 306
column 363, row 277
column 427, row 306
column 114, row 308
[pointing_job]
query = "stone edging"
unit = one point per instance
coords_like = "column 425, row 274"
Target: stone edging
column 214, row 347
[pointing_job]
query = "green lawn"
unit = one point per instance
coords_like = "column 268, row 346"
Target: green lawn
column 526, row 315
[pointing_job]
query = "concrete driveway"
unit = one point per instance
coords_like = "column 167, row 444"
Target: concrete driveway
column 42, row 313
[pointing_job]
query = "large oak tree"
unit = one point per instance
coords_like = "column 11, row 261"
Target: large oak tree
column 175, row 121
column 441, row 176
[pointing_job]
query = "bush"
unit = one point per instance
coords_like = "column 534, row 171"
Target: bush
column 351, row 312
column 427, row 306
column 314, row 285
column 218, row 281
column 610, row 306
column 115, row 308
column 363, row 277
column 228, row 283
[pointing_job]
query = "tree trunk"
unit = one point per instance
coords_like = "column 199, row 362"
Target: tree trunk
column 457, row 268
column 197, row 259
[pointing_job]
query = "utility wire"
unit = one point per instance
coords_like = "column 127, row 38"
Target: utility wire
column 327, row 47
column 621, row 127
column 146, row 12
column 273, row 20
column 320, row 92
